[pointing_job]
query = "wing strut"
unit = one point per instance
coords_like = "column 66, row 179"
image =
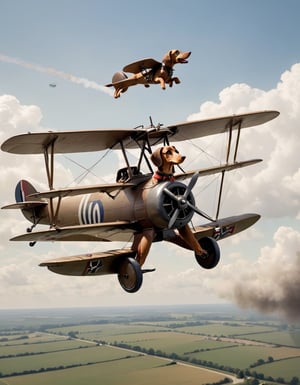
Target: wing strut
column 230, row 127
column 49, row 163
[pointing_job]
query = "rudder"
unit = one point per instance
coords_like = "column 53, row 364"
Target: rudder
column 23, row 190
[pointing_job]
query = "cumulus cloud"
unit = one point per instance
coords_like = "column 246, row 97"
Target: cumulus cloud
column 271, row 188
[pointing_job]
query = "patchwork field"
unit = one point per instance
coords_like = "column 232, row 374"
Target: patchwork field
column 132, row 349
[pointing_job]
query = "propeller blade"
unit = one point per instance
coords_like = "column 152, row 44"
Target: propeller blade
column 171, row 195
column 173, row 218
column 191, row 185
column 200, row 212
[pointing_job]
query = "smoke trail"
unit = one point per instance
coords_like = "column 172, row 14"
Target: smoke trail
column 52, row 71
column 272, row 284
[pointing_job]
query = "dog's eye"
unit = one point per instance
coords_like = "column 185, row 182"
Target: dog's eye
column 168, row 152
column 177, row 53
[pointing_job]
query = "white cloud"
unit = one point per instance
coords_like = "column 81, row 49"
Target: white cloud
column 272, row 187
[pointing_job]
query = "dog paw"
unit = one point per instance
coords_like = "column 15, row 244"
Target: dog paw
column 202, row 255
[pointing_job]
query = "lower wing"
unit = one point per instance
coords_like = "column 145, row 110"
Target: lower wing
column 101, row 263
column 105, row 232
column 220, row 229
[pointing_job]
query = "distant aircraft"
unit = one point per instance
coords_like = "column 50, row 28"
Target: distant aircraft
column 149, row 71
column 53, row 85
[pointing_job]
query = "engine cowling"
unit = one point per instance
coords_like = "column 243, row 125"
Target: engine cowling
column 169, row 200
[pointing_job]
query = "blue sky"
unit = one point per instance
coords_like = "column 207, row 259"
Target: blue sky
column 245, row 57
column 231, row 42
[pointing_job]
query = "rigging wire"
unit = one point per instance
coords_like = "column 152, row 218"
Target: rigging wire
column 88, row 170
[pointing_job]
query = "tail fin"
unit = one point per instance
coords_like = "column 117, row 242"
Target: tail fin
column 23, row 190
column 32, row 208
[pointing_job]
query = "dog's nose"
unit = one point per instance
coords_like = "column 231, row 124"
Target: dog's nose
column 183, row 158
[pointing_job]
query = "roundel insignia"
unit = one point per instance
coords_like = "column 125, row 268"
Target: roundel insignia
column 90, row 212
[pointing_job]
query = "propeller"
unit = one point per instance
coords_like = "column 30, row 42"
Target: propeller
column 184, row 202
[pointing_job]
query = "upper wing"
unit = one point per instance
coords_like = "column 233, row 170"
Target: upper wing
column 104, row 232
column 65, row 141
column 201, row 128
column 95, row 140
column 141, row 65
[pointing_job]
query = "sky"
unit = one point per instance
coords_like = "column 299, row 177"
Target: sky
column 245, row 58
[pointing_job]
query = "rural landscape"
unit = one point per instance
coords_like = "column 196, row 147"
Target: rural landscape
column 163, row 345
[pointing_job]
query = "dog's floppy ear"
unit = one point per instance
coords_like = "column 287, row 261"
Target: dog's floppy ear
column 167, row 56
column 156, row 157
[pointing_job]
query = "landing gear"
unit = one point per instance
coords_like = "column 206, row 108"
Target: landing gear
column 130, row 275
column 212, row 259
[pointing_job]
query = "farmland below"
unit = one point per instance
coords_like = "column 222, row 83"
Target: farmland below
column 189, row 345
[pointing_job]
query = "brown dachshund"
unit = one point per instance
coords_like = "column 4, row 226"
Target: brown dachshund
column 149, row 71
column 164, row 159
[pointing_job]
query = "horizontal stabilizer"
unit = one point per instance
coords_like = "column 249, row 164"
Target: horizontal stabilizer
column 105, row 232
column 217, row 169
column 125, row 83
column 100, row 263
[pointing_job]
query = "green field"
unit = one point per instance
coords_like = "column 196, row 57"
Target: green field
column 226, row 330
column 140, row 370
column 287, row 338
column 127, row 350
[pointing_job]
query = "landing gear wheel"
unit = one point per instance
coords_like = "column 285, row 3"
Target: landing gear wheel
column 211, row 246
column 130, row 275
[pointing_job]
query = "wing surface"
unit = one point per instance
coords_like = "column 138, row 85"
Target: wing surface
column 100, row 263
column 226, row 227
column 124, row 83
column 27, row 205
column 141, row 65
column 96, row 140
column 72, row 191
column 217, row 169
column 201, row 128
column 220, row 229
column 104, row 232
column 65, row 141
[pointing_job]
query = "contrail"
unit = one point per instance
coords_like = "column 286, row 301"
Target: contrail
column 52, row 71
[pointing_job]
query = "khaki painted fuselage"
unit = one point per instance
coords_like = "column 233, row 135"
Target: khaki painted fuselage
column 125, row 205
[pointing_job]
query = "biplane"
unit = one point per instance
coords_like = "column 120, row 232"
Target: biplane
column 149, row 71
column 133, row 204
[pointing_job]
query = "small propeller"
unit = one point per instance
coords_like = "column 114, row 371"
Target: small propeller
column 183, row 202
